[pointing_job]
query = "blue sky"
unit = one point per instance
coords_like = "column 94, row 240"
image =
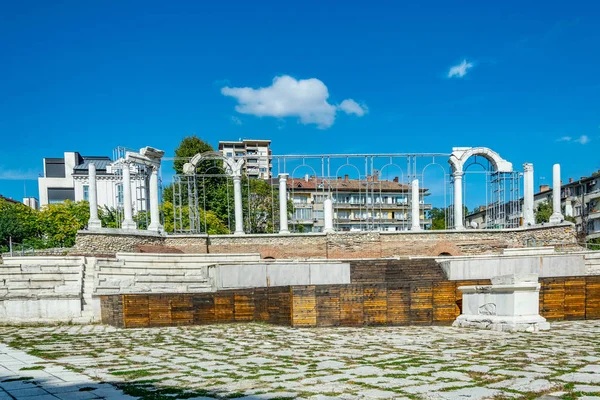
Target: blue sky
column 90, row 76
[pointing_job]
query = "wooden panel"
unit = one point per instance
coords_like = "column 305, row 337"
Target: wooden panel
column 375, row 304
column 421, row 303
column 261, row 304
column 136, row 313
column 592, row 297
column 224, row 306
column 280, row 305
column 182, row 309
column 575, row 298
column 554, row 298
column 328, row 305
column 111, row 310
column 398, row 304
column 243, row 305
column 351, row 305
column 204, row 309
column 444, row 302
column 304, row 306
column 159, row 306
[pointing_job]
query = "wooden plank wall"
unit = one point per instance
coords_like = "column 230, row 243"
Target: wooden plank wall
column 420, row 302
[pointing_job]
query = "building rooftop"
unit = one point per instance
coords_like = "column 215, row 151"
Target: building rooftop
column 101, row 163
column 346, row 185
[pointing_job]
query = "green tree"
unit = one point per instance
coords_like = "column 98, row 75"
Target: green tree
column 543, row 212
column 261, row 203
column 60, row 222
column 19, row 222
column 214, row 226
column 189, row 147
column 438, row 218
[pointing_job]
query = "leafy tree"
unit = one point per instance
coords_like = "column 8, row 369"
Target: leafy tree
column 60, row 222
column 214, row 225
column 543, row 212
column 189, row 147
column 438, row 218
column 19, row 222
column 260, row 205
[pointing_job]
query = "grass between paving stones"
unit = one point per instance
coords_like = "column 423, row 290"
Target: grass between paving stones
column 21, row 378
column 34, row 368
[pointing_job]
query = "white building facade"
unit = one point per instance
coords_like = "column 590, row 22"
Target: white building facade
column 67, row 178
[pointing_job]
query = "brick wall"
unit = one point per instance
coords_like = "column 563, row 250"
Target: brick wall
column 338, row 245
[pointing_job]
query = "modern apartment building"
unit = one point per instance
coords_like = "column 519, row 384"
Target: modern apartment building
column 66, row 178
column 31, row 202
column 580, row 199
column 358, row 205
column 257, row 154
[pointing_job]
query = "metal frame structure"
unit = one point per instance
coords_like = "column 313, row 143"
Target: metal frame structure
column 502, row 189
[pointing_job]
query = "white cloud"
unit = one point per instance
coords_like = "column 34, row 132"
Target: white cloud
column 583, row 139
column 16, row 175
column 235, row 120
column 460, row 70
column 349, row 106
column 305, row 99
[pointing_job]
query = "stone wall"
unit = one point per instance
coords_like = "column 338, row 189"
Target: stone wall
column 333, row 246
column 111, row 241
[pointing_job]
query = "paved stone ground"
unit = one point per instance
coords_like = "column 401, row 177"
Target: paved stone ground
column 257, row 361
column 23, row 376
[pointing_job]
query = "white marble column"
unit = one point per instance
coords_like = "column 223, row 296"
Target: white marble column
column 328, row 215
column 415, row 207
column 556, row 216
column 128, row 222
column 94, row 221
column 283, row 212
column 237, row 204
column 155, row 224
column 458, row 202
column 528, row 192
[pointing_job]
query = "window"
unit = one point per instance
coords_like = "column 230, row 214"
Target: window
column 55, row 167
column 300, row 199
column 229, row 154
column 58, row 195
column 86, row 192
column 343, row 214
column 303, row 214
column 318, row 214
column 319, row 198
column 119, row 194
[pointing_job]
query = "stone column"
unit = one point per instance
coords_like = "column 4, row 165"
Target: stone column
column 94, row 221
column 528, row 192
column 283, row 212
column 154, row 212
column 415, row 207
column 458, row 203
column 556, row 216
column 328, row 215
column 237, row 204
column 128, row 222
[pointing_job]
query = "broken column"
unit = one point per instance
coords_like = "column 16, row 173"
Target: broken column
column 528, row 193
column 458, row 204
column 415, row 206
column 556, row 216
column 283, row 212
column 155, row 224
column 128, row 222
column 94, row 221
column 237, row 204
column 328, row 216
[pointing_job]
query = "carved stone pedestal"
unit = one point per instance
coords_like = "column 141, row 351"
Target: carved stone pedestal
column 510, row 303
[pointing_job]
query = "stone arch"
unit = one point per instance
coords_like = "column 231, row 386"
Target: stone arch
column 269, row 254
column 460, row 155
column 445, row 248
